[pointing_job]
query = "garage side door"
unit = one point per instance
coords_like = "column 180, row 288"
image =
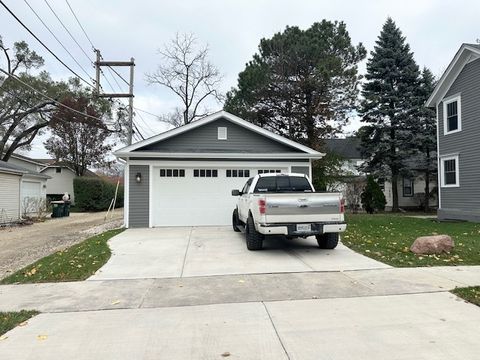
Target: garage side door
column 201, row 197
column 9, row 197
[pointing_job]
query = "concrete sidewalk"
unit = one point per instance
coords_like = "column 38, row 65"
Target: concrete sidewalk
column 170, row 292
column 418, row 326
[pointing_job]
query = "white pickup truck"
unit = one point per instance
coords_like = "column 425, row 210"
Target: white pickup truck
column 287, row 204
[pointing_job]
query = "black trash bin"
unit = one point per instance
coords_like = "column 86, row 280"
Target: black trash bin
column 57, row 209
column 66, row 208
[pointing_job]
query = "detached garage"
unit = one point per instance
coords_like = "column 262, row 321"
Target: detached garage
column 184, row 177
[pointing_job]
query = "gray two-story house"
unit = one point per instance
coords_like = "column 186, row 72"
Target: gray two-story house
column 457, row 101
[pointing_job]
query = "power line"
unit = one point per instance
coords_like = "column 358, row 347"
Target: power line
column 68, row 31
column 146, row 112
column 43, row 44
column 80, row 24
column 114, row 78
column 119, row 75
column 56, row 38
column 144, row 122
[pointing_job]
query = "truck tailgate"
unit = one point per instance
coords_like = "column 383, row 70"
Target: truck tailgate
column 302, row 207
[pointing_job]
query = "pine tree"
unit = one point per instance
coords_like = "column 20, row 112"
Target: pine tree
column 373, row 197
column 422, row 126
column 389, row 95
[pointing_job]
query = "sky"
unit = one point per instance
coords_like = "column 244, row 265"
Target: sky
column 122, row 29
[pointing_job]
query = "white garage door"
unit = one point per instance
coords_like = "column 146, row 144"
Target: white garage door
column 31, row 189
column 197, row 196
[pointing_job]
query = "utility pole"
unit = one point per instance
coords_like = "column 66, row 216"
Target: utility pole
column 98, row 64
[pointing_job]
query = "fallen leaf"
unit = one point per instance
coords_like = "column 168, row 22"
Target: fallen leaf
column 115, row 302
column 3, row 337
column 25, row 323
column 241, row 281
column 42, row 337
column 226, row 354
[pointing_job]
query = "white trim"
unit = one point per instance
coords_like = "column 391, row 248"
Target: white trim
column 208, row 163
column 208, row 119
column 126, row 195
column 148, row 154
column 444, row 158
column 438, row 160
column 150, row 196
column 454, row 98
column 26, row 159
column 461, row 58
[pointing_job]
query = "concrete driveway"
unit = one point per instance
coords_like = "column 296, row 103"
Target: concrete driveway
column 205, row 251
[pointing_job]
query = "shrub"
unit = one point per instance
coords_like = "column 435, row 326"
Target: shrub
column 373, row 198
column 95, row 194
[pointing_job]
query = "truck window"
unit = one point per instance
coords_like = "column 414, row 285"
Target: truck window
column 247, row 186
column 282, row 184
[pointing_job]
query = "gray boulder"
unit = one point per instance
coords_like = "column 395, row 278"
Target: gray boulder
column 435, row 244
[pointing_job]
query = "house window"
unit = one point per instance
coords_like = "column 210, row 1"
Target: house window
column 449, row 171
column 452, row 115
column 238, row 173
column 205, row 173
column 172, row 172
column 58, row 170
column 407, row 187
column 269, row 171
column 222, row 133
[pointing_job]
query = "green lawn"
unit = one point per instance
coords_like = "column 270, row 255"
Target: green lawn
column 8, row 320
column 73, row 264
column 388, row 237
column 471, row 294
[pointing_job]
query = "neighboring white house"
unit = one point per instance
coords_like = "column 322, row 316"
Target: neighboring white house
column 61, row 178
column 410, row 188
column 22, row 190
column 33, row 183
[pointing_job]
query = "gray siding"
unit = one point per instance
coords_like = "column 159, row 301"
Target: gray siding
column 138, row 211
column 204, row 139
column 466, row 198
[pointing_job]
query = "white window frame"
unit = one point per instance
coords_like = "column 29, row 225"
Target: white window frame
column 442, row 171
column 449, row 100
column 222, row 133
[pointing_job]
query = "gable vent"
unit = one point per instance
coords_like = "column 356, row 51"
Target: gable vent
column 222, row 133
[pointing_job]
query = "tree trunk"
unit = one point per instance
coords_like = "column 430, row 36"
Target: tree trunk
column 427, row 191
column 395, row 207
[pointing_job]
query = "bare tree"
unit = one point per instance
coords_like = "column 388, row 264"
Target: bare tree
column 187, row 72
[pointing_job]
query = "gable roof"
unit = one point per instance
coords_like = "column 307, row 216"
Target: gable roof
column 60, row 164
column 20, row 170
column 348, row 148
column 465, row 54
column 305, row 152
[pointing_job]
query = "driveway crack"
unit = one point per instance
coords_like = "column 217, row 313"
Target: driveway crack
column 186, row 251
column 276, row 331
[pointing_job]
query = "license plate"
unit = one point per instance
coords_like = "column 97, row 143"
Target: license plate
column 304, row 227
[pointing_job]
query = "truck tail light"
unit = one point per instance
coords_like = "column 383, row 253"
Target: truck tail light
column 262, row 204
column 342, row 206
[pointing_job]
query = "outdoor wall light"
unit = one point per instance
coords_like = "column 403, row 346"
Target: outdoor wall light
column 138, row 177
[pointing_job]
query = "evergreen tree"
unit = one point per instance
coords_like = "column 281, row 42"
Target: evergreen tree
column 373, row 198
column 422, row 126
column 302, row 84
column 390, row 94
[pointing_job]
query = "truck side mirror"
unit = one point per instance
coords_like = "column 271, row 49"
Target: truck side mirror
column 236, row 193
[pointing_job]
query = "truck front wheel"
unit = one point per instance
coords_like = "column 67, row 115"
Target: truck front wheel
column 253, row 237
column 327, row 241
column 235, row 221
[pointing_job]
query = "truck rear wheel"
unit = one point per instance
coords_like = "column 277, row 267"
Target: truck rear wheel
column 235, row 221
column 253, row 237
column 327, row 241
